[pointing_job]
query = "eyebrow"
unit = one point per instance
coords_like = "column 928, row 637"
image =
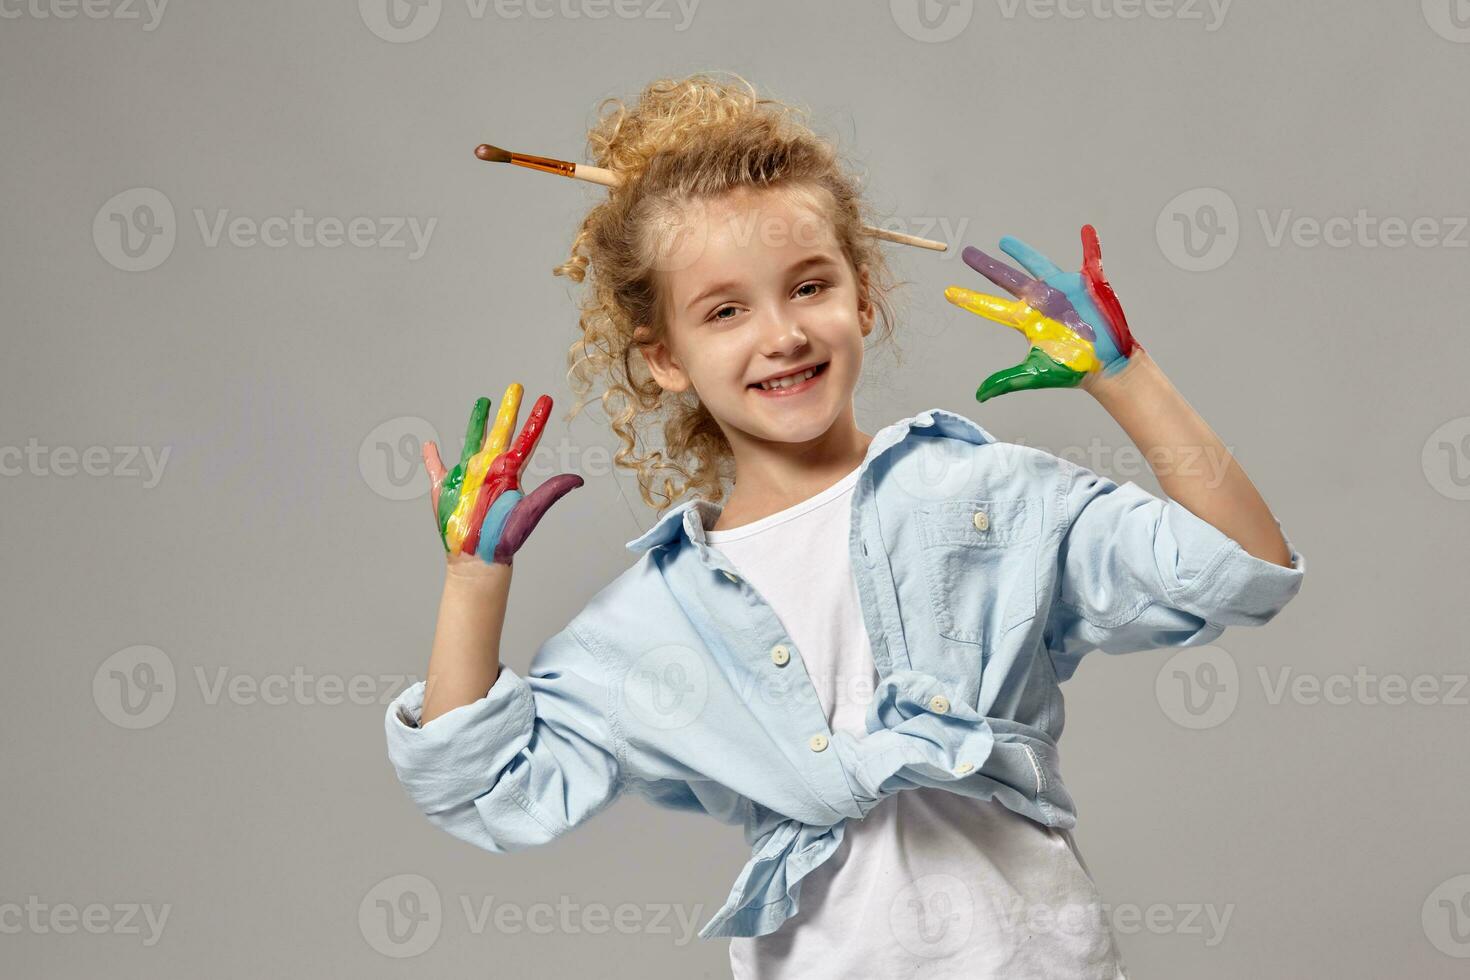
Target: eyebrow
column 822, row 258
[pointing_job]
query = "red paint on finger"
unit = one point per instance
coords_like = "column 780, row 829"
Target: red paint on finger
column 1101, row 290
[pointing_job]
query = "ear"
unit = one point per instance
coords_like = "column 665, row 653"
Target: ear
column 866, row 310
column 664, row 366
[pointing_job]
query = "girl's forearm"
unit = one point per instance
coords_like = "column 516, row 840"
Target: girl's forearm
column 1192, row 465
column 465, row 661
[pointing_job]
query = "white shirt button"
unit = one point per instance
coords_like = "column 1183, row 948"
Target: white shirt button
column 730, row 575
column 939, row 704
column 780, row 654
column 982, row 521
column 818, row 742
column 962, row 768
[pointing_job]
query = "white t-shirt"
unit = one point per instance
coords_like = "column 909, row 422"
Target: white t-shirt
column 930, row 883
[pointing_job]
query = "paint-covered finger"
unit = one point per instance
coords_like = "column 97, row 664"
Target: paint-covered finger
column 1038, row 370
column 448, row 499
column 469, row 495
column 1010, row 312
column 474, row 433
column 1031, row 260
column 434, row 466
column 529, row 437
column 494, row 524
column 1051, row 301
column 529, row 511
column 1011, row 280
column 1102, row 291
column 505, row 419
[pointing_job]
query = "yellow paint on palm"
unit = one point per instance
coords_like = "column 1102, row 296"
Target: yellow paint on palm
column 1060, row 342
column 457, row 528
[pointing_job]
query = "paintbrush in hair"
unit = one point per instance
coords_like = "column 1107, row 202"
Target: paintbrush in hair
column 607, row 178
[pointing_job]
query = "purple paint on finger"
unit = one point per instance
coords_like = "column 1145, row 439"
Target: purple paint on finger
column 1050, row 301
column 528, row 513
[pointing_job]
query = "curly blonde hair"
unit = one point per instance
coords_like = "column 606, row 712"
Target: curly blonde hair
column 685, row 141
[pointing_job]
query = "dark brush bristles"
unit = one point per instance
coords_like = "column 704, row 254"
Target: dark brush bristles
column 492, row 154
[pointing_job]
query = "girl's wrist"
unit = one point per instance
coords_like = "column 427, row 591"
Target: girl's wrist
column 1138, row 378
column 464, row 573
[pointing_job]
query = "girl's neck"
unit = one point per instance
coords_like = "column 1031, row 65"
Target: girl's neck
column 771, row 476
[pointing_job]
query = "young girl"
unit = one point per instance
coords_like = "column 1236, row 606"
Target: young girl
column 856, row 655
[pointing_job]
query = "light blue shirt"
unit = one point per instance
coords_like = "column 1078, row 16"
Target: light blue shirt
column 985, row 571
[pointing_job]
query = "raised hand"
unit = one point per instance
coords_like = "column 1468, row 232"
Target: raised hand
column 1073, row 319
column 478, row 505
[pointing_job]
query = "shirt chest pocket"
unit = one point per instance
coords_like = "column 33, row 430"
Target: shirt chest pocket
column 979, row 559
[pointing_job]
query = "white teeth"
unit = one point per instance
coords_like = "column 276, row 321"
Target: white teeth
column 789, row 380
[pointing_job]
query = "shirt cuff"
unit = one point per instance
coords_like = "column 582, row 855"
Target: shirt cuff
column 1231, row 587
column 446, row 761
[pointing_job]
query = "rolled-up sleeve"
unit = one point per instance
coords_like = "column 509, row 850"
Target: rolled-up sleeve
column 1137, row 572
column 525, row 764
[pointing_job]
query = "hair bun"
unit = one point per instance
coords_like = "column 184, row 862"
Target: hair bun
column 626, row 137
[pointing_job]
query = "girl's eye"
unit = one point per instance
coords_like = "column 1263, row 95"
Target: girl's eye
column 818, row 284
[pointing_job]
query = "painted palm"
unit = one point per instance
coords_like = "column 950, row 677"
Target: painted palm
column 1073, row 320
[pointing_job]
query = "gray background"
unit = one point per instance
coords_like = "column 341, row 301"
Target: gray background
column 285, row 384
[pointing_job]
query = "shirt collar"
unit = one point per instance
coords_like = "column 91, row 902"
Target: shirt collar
column 695, row 515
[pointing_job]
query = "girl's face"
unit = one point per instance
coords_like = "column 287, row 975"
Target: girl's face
column 755, row 287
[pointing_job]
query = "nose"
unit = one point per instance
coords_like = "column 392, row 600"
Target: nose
column 781, row 334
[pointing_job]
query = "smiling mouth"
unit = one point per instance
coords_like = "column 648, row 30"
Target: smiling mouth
column 793, row 380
